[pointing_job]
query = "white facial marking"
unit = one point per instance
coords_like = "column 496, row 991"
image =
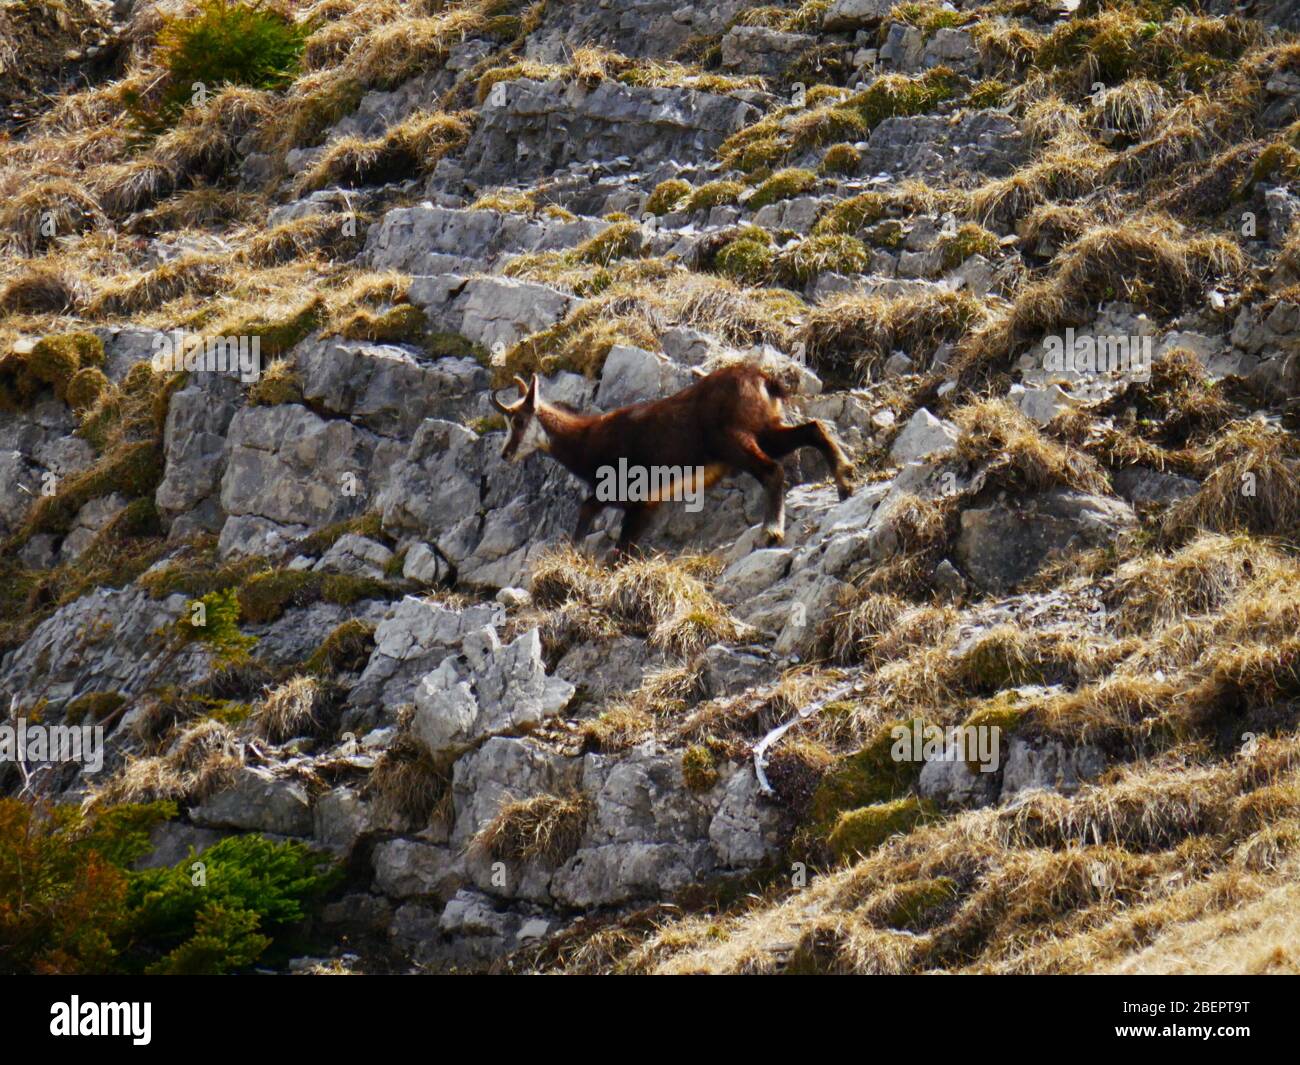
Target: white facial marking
column 534, row 439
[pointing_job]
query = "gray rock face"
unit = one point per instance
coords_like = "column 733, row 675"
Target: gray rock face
column 16, row 489
column 425, row 566
column 854, row 14
column 340, row 819
column 727, row 670
column 494, row 312
column 174, row 841
column 639, row 27
column 384, row 387
column 759, row 50
column 406, row 868
column 90, row 519
column 415, row 637
column 486, row 516
column 1000, row 546
column 1139, row 485
column 754, row 573
column 954, row 782
column 649, row 836
column 633, row 375
column 1049, row 765
column 911, row 50
column 982, row 142
column 745, row 828
column 292, row 466
column 194, row 444
column 487, row 690
column 355, row 555
column 604, row 668
column 258, row 801
column 923, row 435
column 527, row 129
column 104, row 641
column 444, row 240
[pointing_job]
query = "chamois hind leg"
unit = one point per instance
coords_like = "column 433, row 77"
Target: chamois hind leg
column 784, row 439
column 744, row 453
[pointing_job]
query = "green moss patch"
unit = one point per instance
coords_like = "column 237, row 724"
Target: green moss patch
column 872, row 775
column 859, row 832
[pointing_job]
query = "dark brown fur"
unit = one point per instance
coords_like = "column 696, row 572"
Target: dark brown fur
column 729, row 421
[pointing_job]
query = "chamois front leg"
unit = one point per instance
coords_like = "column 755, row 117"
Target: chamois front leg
column 635, row 519
column 780, row 441
column 591, row 506
column 744, row 453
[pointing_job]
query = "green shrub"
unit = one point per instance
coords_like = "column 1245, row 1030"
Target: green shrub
column 403, row 324
column 970, row 239
column 849, row 216
column 85, row 387
column 224, row 940
column 214, row 619
column 252, row 891
column 872, row 775
column 229, row 44
column 133, row 469
column 278, row 335
column 914, row 904
column 279, row 383
column 64, row 883
column 265, row 596
column 990, row 93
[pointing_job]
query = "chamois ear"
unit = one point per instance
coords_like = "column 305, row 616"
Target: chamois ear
column 534, row 393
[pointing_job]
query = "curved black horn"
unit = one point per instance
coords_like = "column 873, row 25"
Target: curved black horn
column 502, row 407
column 523, row 385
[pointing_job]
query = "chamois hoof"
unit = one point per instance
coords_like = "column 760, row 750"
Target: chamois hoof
column 773, row 537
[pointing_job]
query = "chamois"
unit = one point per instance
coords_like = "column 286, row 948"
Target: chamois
column 728, row 421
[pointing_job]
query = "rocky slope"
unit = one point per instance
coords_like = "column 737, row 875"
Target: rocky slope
column 527, row 758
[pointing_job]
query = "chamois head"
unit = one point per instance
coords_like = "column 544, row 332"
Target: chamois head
column 526, row 432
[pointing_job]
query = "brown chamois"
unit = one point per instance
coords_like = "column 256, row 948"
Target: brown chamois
column 728, row 421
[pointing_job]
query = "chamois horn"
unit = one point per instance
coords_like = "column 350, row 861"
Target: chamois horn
column 507, row 408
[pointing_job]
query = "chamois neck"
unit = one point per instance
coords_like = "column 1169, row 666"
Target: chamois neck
column 566, row 433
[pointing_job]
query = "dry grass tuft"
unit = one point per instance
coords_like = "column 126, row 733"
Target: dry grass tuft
column 1012, row 450
column 546, row 828
column 288, row 710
